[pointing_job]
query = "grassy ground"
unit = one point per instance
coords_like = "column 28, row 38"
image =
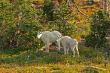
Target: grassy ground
column 53, row 68
column 30, row 61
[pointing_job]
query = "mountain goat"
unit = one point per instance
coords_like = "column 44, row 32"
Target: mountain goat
column 68, row 43
column 49, row 37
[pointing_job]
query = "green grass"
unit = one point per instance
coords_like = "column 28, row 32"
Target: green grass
column 30, row 61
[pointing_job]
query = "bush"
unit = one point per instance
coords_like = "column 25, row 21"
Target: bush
column 90, row 70
column 18, row 25
column 99, row 30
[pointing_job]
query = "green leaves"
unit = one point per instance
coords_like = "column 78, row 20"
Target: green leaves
column 19, row 25
column 99, row 29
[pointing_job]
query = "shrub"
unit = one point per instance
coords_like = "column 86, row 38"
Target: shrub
column 99, row 30
column 90, row 70
column 18, row 25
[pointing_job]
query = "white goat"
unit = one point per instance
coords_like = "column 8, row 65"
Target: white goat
column 48, row 38
column 68, row 43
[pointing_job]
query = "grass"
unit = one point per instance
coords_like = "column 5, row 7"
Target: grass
column 53, row 68
column 30, row 61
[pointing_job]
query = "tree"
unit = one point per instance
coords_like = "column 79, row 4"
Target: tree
column 59, row 16
column 105, row 6
column 48, row 10
column 99, row 30
column 19, row 25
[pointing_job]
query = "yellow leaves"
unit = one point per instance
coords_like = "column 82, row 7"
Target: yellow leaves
column 78, row 37
column 71, row 21
column 6, row 70
column 40, row 1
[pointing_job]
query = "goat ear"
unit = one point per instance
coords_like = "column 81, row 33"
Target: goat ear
column 39, row 32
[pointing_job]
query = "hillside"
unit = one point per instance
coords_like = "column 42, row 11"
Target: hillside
column 33, row 31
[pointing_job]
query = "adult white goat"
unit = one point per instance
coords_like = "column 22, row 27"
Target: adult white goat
column 68, row 43
column 48, row 38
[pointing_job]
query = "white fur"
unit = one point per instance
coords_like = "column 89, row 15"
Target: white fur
column 49, row 37
column 68, row 43
column 39, row 36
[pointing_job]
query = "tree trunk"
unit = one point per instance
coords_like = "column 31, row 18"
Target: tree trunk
column 105, row 6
